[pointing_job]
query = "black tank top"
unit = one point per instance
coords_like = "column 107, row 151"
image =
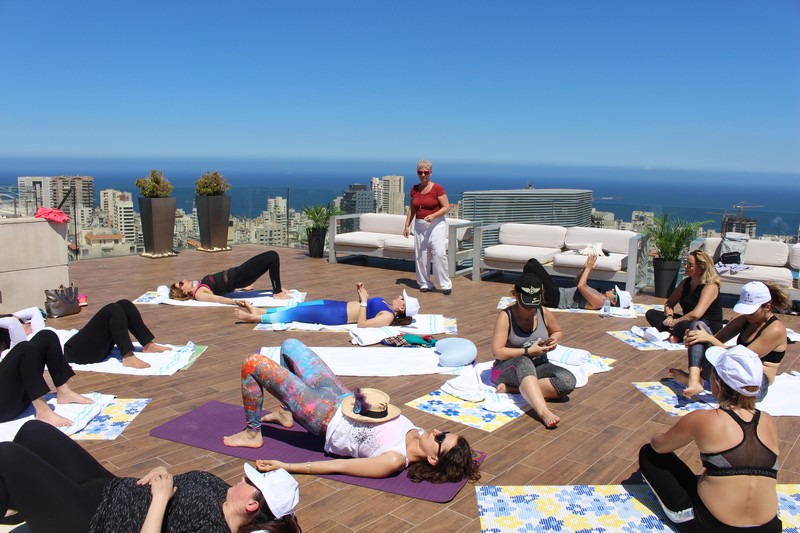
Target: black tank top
column 750, row 457
column 772, row 357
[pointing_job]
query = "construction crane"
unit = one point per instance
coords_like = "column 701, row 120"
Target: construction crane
column 740, row 206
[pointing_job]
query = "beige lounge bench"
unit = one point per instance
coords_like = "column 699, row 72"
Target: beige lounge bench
column 556, row 248
column 381, row 235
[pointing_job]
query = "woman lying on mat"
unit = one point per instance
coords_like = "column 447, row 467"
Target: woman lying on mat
column 757, row 327
column 363, row 425
column 582, row 296
column 55, row 485
column 366, row 312
column 699, row 298
column 212, row 287
column 738, row 447
column 523, row 334
column 22, row 363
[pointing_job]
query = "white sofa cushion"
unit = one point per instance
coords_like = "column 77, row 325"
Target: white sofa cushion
column 399, row 243
column 779, row 275
column 766, row 253
column 519, row 254
column 382, row 223
column 364, row 239
column 532, row 235
column 794, row 256
column 613, row 262
column 711, row 247
column 613, row 240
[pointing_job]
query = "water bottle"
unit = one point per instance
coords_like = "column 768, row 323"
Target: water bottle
column 606, row 308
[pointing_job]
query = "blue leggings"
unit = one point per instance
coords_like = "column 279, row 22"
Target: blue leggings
column 328, row 312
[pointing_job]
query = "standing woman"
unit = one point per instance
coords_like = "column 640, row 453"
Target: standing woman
column 698, row 296
column 428, row 207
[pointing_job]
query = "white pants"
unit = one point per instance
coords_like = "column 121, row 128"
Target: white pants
column 429, row 247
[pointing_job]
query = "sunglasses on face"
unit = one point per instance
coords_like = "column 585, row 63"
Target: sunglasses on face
column 423, row 172
column 439, row 439
column 181, row 284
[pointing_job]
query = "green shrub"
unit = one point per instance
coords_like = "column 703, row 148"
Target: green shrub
column 212, row 184
column 156, row 185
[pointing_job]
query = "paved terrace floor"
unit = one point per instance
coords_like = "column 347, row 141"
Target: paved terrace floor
column 603, row 424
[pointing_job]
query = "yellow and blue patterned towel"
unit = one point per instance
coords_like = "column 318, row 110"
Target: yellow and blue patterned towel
column 667, row 395
column 441, row 404
column 592, row 508
column 639, row 309
column 113, row 419
column 640, row 344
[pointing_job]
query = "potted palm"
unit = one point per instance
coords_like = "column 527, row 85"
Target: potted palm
column 213, row 211
column 671, row 239
column 318, row 215
column 157, row 211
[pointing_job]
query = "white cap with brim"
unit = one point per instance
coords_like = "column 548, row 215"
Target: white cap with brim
column 412, row 304
column 753, row 295
column 624, row 298
column 278, row 487
column 738, row 367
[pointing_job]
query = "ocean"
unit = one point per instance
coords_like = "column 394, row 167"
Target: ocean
column 773, row 199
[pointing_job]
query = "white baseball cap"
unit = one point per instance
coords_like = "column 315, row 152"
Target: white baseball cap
column 738, row 367
column 278, row 487
column 753, row 295
column 412, row 304
column 624, row 298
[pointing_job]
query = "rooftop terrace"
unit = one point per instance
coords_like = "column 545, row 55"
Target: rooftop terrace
column 603, row 424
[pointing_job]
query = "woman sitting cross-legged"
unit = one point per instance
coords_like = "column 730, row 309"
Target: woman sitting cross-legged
column 758, row 329
column 738, row 447
column 364, row 425
column 55, row 485
column 523, row 334
column 366, row 312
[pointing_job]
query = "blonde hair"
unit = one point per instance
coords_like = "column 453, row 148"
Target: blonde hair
column 707, row 264
column 424, row 163
column 780, row 300
column 176, row 293
column 731, row 398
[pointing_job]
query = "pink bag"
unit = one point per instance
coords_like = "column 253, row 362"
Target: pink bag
column 52, row 214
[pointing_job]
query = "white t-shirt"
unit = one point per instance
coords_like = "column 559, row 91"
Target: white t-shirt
column 350, row 438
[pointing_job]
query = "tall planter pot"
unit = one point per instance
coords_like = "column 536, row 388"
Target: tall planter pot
column 158, row 226
column 213, row 216
column 665, row 274
column 316, row 242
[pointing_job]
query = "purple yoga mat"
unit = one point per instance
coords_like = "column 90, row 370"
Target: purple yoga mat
column 205, row 426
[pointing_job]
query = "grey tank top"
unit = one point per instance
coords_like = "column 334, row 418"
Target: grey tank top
column 517, row 336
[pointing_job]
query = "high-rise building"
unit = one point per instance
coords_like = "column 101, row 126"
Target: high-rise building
column 49, row 191
column 356, row 199
column 34, row 192
column 392, row 198
column 739, row 224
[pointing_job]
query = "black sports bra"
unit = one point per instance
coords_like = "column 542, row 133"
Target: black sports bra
column 772, row 357
column 751, row 457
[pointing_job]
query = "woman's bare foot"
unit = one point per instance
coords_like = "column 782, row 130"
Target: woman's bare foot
column 132, row 361
column 693, row 389
column 252, row 309
column 679, row 375
column 152, row 347
column 509, row 390
column 282, row 417
column 243, row 289
column 49, row 416
column 70, row 396
column 244, row 316
column 549, row 420
column 244, row 439
column 283, row 295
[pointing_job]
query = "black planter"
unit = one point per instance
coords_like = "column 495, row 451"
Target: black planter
column 158, row 225
column 316, row 242
column 665, row 274
column 213, row 216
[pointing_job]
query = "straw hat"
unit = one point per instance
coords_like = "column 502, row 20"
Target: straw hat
column 369, row 405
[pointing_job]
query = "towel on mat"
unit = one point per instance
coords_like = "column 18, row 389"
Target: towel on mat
column 80, row 414
column 257, row 298
column 161, row 364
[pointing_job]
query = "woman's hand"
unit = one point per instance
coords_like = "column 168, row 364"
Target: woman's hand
column 162, row 487
column 429, row 218
column 591, row 262
column 669, row 322
column 147, row 478
column 268, row 465
column 697, row 336
column 406, row 232
column 363, row 295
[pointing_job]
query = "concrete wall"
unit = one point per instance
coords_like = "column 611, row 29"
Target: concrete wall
column 33, row 257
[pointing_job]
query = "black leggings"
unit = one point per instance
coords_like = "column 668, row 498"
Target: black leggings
column 248, row 272
column 656, row 319
column 109, row 327
column 675, row 485
column 50, row 479
column 21, row 379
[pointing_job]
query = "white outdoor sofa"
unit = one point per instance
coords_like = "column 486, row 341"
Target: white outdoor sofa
column 381, row 235
column 771, row 261
column 556, row 247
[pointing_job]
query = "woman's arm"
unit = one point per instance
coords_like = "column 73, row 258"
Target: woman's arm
column 772, row 338
column 443, row 209
column 679, row 435
column 500, row 336
column 707, row 296
column 412, row 211
column 34, row 318
column 384, row 318
column 592, row 296
column 16, row 331
column 381, row 466
column 731, row 329
column 163, row 490
column 204, row 294
column 672, row 301
column 553, row 329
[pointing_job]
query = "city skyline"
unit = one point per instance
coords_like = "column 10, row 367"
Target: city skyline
column 711, row 86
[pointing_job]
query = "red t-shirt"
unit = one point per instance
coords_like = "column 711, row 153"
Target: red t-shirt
column 427, row 203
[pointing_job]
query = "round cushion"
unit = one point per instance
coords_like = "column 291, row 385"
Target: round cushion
column 456, row 352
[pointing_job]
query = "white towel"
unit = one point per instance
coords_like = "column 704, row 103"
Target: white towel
column 568, row 356
column 783, row 397
column 264, row 299
column 368, row 336
column 792, row 335
column 374, row 361
column 468, row 386
column 425, row 325
column 161, row 364
column 80, row 414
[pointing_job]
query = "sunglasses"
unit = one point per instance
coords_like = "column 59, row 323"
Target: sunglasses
column 439, row 439
column 181, row 284
column 423, row 172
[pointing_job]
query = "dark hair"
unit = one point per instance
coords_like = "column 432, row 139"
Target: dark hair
column 5, row 336
column 176, row 293
column 400, row 319
column 454, row 465
column 263, row 519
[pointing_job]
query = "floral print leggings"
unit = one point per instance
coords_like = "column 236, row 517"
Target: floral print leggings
column 303, row 383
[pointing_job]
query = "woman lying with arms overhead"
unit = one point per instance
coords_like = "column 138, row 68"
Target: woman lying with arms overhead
column 366, row 312
column 738, row 447
column 213, row 286
column 362, row 425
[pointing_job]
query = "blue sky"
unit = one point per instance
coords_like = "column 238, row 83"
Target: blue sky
column 709, row 85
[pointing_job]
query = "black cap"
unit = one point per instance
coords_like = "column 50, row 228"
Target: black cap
column 529, row 290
